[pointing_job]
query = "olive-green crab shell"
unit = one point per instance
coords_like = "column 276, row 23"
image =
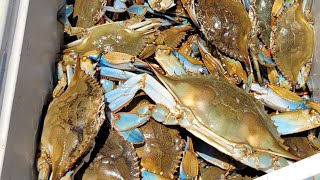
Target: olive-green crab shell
column 226, row 24
column 292, row 41
column 224, row 112
column 116, row 160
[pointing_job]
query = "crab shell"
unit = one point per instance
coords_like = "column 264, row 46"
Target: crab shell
column 87, row 12
column 116, row 160
column 161, row 153
column 263, row 10
column 292, row 41
column 71, row 124
column 300, row 146
column 225, row 23
column 111, row 37
column 224, row 115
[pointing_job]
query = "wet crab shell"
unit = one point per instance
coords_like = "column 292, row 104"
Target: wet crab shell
column 71, row 124
column 292, row 41
column 111, row 37
column 226, row 111
column 162, row 150
column 263, row 10
column 226, row 24
column 87, row 12
column 116, row 160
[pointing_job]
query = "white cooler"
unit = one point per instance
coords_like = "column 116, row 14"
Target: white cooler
column 30, row 39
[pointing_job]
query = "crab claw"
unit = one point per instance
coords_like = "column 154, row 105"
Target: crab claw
column 189, row 6
column 134, row 136
column 296, row 121
column 146, row 175
column 161, row 5
column 118, row 7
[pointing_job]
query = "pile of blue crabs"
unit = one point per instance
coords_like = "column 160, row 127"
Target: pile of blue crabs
column 181, row 89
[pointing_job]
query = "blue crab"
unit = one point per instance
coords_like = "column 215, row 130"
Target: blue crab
column 225, row 23
column 161, row 153
column 182, row 102
column 70, row 126
column 292, row 41
column 113, row 37
column 116, row 160
column 88, row 13
column 260, row 15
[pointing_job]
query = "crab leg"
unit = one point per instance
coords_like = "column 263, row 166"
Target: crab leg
column 134, row 136
column 169, row 62
column 43, row 166
column 259, row 160
column 296, row 121
column 118, row 7
column 189, row 164
column 194, row 66
column 209, row 154
column 124, row 121
column 122, row 61
column 215, row 161
column 146, row 175
column 149, row 24
column 115, row 73
column 70, row 72
column 314, row 139
column 246, row 4
column 278, row 98
column 63, row 15
column 62, row 83
column 213, row 64
column 138, row 10
column 125, row 92
column 107, row 85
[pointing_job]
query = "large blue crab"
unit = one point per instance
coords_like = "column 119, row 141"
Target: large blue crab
column 70, row 126
column 225, row 23
column 212, row 109
column 292, row 41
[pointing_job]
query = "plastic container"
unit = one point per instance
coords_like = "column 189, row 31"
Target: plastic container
column 34, row 38
column 30, row 43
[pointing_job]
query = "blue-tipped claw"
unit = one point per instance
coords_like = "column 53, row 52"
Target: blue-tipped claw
column 296, row 121
column 118, row 7
column 246, row 4
column 146, row 175
column 278, row 98
column 138, row 10
column 64, row 13
column 266, row 60
column 107, row 85
column 188, row 66
column 115, row 73
column 134, row 136
column 127, row 121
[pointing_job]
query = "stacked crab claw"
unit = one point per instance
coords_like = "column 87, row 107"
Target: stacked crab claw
column 181, row 90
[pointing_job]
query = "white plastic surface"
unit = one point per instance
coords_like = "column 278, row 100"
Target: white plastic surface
column 297, row 171
column 3, row 14
column 12, row 70
column 315, row 72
